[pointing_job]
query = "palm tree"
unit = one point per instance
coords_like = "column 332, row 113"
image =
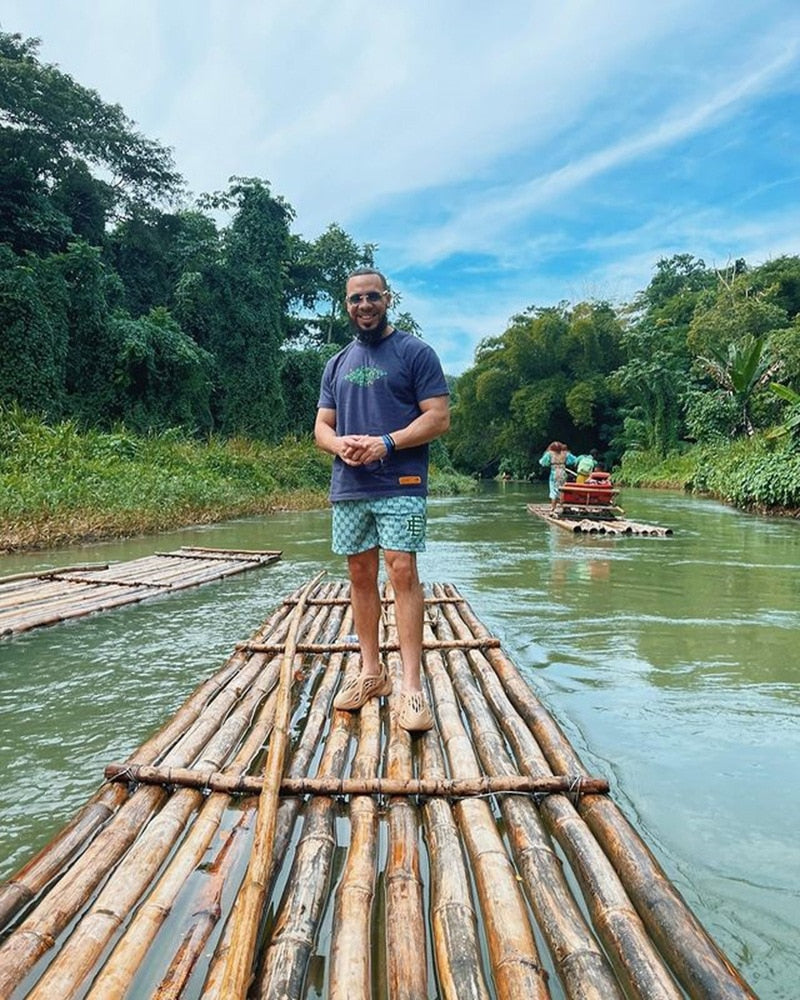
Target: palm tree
column 741, row 372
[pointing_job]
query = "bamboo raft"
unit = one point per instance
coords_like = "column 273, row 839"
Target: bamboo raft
column 30, row 600
column 596, row 521
column 263, row 844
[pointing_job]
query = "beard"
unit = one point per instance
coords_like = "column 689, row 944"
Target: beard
column 372, row 336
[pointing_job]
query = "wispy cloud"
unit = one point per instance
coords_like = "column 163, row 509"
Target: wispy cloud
column 483, row 225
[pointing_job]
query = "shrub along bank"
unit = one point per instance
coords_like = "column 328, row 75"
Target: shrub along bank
column 60, row 484
column 753, row 474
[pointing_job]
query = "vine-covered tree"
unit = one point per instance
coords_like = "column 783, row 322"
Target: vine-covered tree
column 233, row 308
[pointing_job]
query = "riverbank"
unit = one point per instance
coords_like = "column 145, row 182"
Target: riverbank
column 755, row 475
column 60, row 485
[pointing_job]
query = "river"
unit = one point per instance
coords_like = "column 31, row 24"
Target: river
column 671, row 663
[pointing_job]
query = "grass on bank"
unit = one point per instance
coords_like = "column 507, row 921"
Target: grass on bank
column 754, row 474
column 60, row 484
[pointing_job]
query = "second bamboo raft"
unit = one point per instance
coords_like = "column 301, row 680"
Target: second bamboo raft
column 480, row 860
column 50, row 596
column 597, row 521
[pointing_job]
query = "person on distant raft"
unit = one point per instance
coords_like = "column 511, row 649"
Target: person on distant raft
column 585, row 465
column 556, row 458
column 383, row 398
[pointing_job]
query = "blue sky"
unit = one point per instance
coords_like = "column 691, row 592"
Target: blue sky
column 501, row 155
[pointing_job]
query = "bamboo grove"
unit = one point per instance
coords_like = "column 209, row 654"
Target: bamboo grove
column 125, row 301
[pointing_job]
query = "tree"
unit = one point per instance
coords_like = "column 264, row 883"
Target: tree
column 739, row 373
column 35, row 334
column 233, row 308
column 317, row 277
column 546, row 377
column 657, row 370
column 790, row 427
column 152, row 251
column 162, row 378
column 53, row 134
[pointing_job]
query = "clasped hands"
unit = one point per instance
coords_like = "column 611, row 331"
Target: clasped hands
column 361, row 449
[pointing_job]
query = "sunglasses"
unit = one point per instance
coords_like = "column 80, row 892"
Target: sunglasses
column 356, row 297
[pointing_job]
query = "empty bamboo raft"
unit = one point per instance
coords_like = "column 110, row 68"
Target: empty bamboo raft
column 28, row 600
column 264, row 844
column 595, row 524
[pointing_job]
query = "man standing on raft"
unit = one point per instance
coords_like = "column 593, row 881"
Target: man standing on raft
column 383, row 398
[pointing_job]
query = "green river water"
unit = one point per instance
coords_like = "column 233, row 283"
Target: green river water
column 671, row 663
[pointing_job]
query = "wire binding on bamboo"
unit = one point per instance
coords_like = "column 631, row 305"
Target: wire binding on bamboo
column 451, row 788
column 413, row 856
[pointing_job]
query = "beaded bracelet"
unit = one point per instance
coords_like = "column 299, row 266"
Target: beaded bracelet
column 388, row 443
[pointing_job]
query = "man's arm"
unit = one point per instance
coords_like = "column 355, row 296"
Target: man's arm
column 429, row 425
column 360, row 449
column 325, row 431
column 349, row 449
column 433, row 421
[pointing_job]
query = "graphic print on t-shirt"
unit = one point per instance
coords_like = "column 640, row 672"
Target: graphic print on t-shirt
column 365, row 376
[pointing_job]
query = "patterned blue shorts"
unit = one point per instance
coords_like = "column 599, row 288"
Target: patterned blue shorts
column 396, row 523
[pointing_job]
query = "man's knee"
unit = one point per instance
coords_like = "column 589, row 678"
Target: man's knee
column 402, row 569
column 363, row 568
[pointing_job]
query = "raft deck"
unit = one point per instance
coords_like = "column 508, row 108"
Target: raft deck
column 595, row 521
column 47, row 597
column 478, row 860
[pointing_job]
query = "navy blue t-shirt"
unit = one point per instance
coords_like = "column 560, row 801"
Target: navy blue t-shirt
column 376, row 389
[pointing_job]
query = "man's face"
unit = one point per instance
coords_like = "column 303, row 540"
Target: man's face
column 368, row 318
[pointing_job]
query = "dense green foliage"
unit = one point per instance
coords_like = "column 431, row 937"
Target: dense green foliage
column 690, row 361
column 751, row 473
column 114, row 307
column 546, row 377
column 59, row 483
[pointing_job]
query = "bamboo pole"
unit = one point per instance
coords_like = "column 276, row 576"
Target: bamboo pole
column 454, row 925
column 38, row 932
column 316, row 722
column 581, row 964
column 131, row 949
column 406, row 945
column 73, row 593
column 452, row 788
column 391, row 646
column 246, row 552
column 36, row 574
column 700, row 966
column 205, row 915
column 293, row 934
column 221, row 556
column 516, row 965
column 46, row 865
column 238, row 971
column 350, row 967
column 131, row 878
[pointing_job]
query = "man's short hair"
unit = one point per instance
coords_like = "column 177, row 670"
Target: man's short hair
column 368, row 270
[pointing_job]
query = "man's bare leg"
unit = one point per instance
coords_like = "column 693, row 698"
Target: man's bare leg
column 409, row 605
column 366, row 602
